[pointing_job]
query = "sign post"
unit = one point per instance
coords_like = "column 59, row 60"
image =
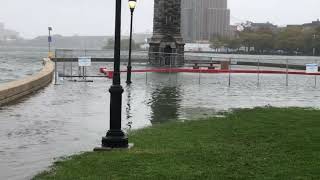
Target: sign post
column 84, row 62
column 50, row 55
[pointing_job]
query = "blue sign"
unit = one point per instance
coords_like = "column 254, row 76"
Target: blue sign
column 84, row 61
column 49, row 39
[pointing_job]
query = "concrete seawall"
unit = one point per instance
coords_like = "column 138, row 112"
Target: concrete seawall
column 15, row 90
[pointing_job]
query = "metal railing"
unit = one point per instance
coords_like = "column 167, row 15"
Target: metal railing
column 66, row 60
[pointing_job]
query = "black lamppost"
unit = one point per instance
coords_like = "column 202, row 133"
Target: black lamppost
column 49, row 42
column 132, row 6
column 115, row 137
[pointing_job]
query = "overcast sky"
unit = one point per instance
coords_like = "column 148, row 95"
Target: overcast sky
column 96, row 17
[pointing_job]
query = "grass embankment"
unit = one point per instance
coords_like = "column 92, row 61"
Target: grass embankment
column 263, row 143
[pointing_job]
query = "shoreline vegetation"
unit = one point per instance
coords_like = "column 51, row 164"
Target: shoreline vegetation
column 291, row 40
column 259, row 143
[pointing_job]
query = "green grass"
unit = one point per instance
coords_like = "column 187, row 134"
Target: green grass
column 261, row 143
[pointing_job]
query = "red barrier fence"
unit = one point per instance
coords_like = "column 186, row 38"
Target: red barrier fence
column 109, row 73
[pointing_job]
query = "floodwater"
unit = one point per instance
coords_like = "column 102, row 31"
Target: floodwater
column 70, row 118
column 18, row 62
column 65, row 119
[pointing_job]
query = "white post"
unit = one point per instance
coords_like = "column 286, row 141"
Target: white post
column 55, row 72
column 199, row 75
column 287, row 73
column 64, row 69
column 314, row 51
column 83, row 76
column 229, row 72
column 258, row 72
column 71, row 69
column 170, row 59
column 85, row 73
column 315, row 76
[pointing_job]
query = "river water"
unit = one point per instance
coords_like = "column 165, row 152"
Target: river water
column 17, row 62
column 72, row 117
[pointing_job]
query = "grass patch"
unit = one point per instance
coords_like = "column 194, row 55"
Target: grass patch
column 261, row 143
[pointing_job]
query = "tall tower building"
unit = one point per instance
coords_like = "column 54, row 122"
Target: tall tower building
column 204, row 19
column 166, row 44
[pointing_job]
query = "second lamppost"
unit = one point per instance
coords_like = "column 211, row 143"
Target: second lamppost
column 132, row 6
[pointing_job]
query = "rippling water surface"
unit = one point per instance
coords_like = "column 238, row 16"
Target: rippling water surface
column 17, row 62
column 72, row 117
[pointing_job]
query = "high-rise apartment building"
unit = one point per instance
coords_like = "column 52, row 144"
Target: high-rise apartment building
column 7, row 34
column 202, row 20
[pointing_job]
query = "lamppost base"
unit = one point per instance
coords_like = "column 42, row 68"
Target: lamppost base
column 115, row 139
column 102, row 149
column 129, row 82
column 129, row 69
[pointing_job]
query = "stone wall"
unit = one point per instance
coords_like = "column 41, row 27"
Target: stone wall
column 15, row 90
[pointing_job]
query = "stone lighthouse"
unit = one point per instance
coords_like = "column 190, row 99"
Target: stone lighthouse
column 166, row 44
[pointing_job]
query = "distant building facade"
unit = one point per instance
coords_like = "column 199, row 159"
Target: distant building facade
column 6, row 34
column 1, row 26
column 313, row 24
column 263, row 26
column 202, row 20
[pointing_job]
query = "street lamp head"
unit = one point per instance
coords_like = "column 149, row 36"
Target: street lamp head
column 50, row 28
column 132, row 4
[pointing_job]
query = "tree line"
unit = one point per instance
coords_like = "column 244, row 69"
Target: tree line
column 124, row 44
column 289, row 40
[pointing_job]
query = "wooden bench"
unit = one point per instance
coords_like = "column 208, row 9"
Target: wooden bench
column 207, row 65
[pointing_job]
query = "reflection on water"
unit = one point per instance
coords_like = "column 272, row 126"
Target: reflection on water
column 165, row 103
column 128, row 107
